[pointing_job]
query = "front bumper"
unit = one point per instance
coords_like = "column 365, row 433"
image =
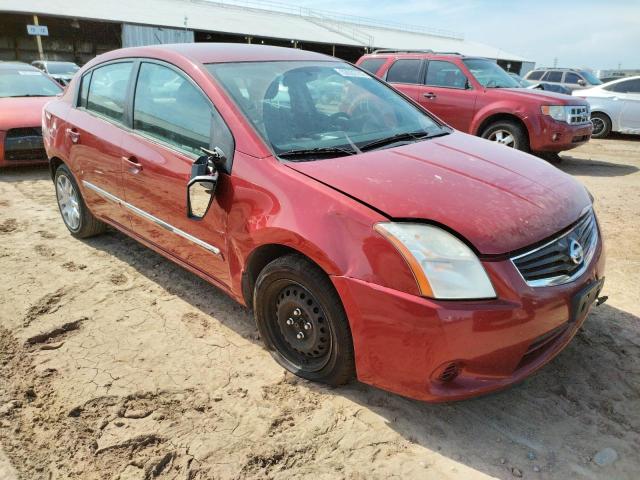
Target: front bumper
column 549, row 135
column 404, row 343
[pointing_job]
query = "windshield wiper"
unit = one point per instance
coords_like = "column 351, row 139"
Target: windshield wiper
column 399, row 137
column 27, row 95
column 315, row 152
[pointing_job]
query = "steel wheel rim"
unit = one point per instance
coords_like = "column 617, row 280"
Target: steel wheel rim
column 503, row 137
column 299, row 328
column 598, row 125
column 68, row 202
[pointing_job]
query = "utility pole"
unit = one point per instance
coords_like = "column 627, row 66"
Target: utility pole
column 555, row 62
column 38, row 39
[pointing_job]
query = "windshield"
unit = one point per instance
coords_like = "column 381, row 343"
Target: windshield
column 329, row 106
column 27, row 83
column 489, row 74
column 60, row 68
column 590, row 77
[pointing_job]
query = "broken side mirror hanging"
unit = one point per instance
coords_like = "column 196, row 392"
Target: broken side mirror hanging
column 202, row 184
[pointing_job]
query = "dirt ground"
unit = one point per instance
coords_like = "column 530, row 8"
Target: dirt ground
column 115, row 363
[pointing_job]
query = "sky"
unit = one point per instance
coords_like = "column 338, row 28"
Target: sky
column 586, row 33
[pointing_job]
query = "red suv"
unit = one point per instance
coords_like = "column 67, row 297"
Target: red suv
column 369, row 238
column 476, row 96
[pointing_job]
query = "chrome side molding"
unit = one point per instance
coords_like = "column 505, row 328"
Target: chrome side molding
column 147, row 216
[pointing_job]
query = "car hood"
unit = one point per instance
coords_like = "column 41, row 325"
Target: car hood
column 499, row 199
column 541, row 95
column 21, row 111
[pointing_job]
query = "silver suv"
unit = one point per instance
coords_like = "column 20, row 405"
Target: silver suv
column 571, row 78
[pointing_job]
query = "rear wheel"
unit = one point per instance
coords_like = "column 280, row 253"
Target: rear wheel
column 601, row 125
column 302, row 321
column 507, row 133
column 75, row 214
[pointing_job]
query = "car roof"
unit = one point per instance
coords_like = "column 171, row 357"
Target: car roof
column 219, row 53
column 15, row 66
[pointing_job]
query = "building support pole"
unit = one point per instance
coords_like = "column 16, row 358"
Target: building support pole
column 333, row 50
column 38, row 39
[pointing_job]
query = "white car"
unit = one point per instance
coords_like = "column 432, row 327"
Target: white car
column 615, row 106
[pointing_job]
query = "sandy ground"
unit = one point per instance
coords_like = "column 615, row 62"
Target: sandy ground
column 115, row 363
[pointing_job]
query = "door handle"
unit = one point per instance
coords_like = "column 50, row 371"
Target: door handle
column 73, row 134
column 134, row 164
column 429, row 95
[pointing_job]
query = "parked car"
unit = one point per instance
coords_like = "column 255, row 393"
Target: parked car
column 551, row 87
column 352, row 227
column 23, row 92
column 571, row 78
column 61, row 72
column 476, row 96
column 615, row 106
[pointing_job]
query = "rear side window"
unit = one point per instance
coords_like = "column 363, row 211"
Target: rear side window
column 571, row 77
column 445, row 74
column 405, row 71
column 372, row 65
column 108, row 90
column 170, row 108
column 84, row 90
column 553, row 76
column 537, row 75
column 628, row 86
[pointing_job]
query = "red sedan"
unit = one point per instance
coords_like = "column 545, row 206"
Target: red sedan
column 386, row 246
column 23, row 92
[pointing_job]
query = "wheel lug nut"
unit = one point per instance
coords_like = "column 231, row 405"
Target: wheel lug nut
column 290, row 321
column 297, row 312
column 307, row 326
column 300, row 336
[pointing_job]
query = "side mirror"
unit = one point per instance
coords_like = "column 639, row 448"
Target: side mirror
column 582, row 83
column 201, row 187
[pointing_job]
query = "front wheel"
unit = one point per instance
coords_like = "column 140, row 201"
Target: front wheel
column 601, row 125
column 507, row 133
column 301, row 319
column 75, row 214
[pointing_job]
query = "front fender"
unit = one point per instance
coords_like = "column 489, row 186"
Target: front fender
column 500, row 108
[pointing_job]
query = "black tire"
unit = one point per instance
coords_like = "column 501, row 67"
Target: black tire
column 87, row 225
column 292, row 283
column 601, row 125
column 517, row 132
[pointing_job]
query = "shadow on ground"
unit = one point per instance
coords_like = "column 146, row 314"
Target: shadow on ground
column 575, row 165
column 586, row 399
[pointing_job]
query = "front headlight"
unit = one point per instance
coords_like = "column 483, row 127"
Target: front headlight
column 557, row 112
column 443, row 265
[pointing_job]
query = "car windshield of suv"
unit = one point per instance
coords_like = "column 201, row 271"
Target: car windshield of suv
column 26, row 83
column 308, row 110
column 590, row 77
column 489, row 74
column 62, row 68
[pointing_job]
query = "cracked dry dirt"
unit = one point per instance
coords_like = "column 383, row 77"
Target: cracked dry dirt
column 115, row 363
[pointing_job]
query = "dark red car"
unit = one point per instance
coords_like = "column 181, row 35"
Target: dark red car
column 23, row 92
column 476, row 96
column 369, row 238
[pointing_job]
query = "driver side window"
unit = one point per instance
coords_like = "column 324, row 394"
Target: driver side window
column 445, row 74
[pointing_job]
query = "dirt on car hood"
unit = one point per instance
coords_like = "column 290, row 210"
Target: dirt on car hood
column 498, row 198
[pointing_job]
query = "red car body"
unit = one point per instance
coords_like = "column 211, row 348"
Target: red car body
column 475, row 108
column 492, row 197
column 20, row 126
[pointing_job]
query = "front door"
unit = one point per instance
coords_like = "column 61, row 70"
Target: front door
column 629, row 94
column 94, row 134
column 446, row 93
column 172, row 119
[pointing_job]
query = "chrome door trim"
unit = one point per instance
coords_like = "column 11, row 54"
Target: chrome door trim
column 148, row 216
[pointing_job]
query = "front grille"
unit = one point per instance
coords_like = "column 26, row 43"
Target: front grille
column 563, row 259
column 578, row 114
column 24, row 144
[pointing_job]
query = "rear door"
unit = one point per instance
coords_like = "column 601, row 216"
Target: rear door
column 406, row 75
column 171, row 119
column 448, row 94
column 94, row 134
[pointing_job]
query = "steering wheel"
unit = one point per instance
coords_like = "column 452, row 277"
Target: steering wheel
column 339, row 119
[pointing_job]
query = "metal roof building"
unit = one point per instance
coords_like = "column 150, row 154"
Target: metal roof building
column 256, row 21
